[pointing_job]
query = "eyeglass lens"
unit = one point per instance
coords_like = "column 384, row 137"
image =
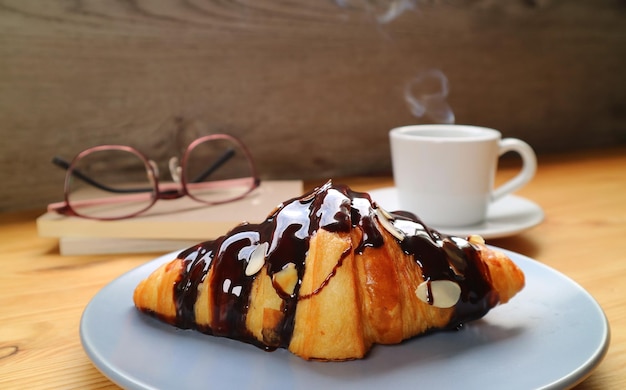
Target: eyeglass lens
column 217, row 170
column 109, row 183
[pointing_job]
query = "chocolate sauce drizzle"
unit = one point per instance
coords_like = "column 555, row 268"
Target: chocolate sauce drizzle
column 288, row 230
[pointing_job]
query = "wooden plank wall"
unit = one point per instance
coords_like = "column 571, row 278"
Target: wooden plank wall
column 312, row 86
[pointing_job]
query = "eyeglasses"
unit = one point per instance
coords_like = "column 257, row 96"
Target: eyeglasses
column 110, row 182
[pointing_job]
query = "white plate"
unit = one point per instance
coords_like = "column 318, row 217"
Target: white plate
column 552, row 335
column 505, row 217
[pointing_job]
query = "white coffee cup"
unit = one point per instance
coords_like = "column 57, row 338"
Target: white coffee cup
column 445, row 173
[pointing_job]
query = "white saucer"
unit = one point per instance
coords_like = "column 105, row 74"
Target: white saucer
column 505, row 217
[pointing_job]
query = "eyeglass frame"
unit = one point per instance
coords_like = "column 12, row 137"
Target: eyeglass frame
column 175, row 190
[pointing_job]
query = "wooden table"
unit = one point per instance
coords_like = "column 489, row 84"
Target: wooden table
column 43, row 294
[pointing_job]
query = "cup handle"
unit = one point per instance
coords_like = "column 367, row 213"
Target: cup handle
column 529, row 167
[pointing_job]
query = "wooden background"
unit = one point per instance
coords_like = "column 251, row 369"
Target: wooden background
column 312, row 86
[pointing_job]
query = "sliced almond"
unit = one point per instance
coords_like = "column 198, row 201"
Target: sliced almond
column 385, row 213
column 386, row 223
column 476, row 239
column 257, row 259
column 286, row 279
column 439, row 293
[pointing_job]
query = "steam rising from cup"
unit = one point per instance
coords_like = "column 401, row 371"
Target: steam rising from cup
column 426, row 96
column 384, row 11
column 395, row 9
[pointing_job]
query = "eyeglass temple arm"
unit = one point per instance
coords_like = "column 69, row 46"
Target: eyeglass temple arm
column 58, row 161
column 216, row 165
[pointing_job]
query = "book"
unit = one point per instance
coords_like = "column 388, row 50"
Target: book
column 167, row 226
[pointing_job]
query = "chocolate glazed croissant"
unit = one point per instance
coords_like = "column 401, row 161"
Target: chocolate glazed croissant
column 328, row 275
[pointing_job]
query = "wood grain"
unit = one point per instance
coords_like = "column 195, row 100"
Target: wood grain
column 312, row 87
column 43, row 294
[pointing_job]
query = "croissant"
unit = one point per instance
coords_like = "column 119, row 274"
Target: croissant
column 327, row 276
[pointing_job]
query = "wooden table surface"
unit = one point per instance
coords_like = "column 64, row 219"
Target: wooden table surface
column 43, row 294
